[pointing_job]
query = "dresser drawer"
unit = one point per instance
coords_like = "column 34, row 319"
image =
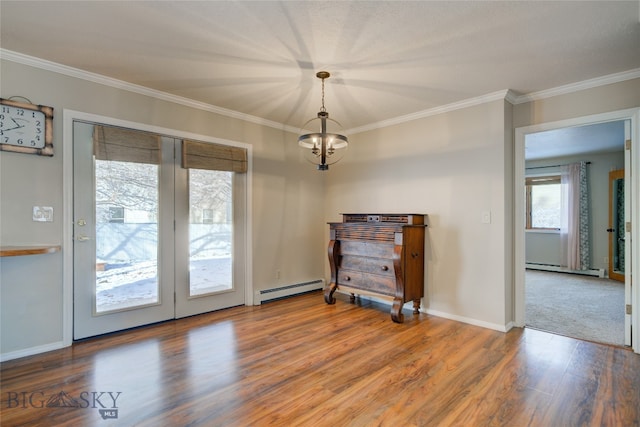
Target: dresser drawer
column 381, row 266
column 367, row 282
column 367, row 249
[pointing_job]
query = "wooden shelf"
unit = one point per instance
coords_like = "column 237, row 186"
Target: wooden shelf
column 6, row 251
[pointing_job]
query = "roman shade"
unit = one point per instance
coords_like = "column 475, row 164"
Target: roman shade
column 125, row 145
column 203, row 155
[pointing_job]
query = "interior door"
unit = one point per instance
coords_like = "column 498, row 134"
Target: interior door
column 123, row 230
column 616, row 225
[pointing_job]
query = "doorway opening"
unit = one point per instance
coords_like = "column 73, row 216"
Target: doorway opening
column 544, row 150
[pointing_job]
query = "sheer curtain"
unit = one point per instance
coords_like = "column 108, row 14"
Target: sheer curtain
column 574, row 229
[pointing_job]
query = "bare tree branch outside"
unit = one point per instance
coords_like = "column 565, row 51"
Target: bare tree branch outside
column 127, row 212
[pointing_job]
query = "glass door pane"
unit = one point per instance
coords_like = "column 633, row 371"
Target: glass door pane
column 618, row 225
column 123, row 269
column 126, row 235
column 210, row 232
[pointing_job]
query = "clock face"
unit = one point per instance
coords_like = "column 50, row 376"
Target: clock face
column 22, row 127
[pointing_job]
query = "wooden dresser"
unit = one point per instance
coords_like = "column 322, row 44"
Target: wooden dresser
column 380, row 255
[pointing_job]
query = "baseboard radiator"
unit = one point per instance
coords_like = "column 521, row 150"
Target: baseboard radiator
column 556, row 268
column 265, row 295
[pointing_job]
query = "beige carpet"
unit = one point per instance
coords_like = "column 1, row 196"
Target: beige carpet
column 577, row 306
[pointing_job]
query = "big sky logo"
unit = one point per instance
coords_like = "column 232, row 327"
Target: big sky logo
column 106, row 402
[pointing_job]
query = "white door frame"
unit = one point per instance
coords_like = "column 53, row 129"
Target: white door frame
column 519, row 209
column 67, row 204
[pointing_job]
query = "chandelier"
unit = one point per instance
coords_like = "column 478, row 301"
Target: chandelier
column 324, row 148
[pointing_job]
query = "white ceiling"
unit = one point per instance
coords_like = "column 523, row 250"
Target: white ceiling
column 594, row 138
column 388, row 59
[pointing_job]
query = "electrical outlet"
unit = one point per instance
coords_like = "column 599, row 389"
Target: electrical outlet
column 277, row 274
column 486, row 217
column 606, row 260
column 43, row 213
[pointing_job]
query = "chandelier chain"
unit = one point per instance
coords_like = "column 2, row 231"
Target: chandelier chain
column 322, row 109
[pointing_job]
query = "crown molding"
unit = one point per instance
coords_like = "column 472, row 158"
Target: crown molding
column 506, row 94
column 511, row 96
column 578, row 86
column 119, row 84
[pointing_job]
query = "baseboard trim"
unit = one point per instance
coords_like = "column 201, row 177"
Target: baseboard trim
column 462, row 319
column 470, row 321
column 271, row 294
column 558, row 269
column 32, row 351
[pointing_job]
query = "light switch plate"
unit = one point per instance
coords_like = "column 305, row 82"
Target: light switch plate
column 43, row 213
column 486, row 217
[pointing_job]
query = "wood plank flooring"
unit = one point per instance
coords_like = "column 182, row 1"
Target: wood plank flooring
column 301, row 362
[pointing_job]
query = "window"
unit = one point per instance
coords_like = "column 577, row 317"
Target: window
column 116, row 214
column 543, row 202
column 207, row 216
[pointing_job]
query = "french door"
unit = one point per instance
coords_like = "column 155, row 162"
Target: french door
column 152, row 240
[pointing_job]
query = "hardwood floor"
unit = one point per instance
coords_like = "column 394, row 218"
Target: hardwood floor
column 301, row 362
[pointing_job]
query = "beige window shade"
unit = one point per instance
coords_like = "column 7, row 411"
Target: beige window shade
column 203, row 155
column 126, row 145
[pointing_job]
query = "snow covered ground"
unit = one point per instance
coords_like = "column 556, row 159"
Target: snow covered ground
column 121, row 286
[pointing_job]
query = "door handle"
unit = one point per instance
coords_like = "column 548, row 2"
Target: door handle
column 610, row 230
column 82, row 238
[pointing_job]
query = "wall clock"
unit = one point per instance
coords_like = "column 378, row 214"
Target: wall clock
column 26, row 128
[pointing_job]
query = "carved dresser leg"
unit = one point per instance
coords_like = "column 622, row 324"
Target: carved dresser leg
column 333, row 251
column 396, row 311
column 328, row 294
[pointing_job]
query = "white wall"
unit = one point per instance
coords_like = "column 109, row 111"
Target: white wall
column 544, row 248
column 451, row 167
column 288, row 232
